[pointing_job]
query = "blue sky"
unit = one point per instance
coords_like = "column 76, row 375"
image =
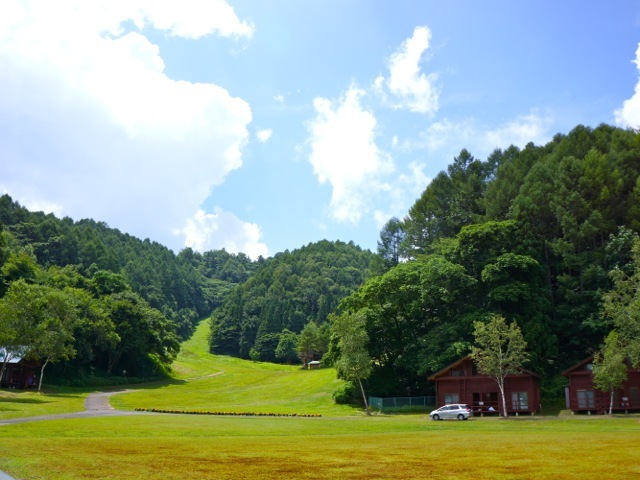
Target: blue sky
column 260, row 126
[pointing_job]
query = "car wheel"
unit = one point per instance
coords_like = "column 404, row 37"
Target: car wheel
column 436, row 417
column 461, row 417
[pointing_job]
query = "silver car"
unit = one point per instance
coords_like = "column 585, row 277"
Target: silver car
column 460, row 411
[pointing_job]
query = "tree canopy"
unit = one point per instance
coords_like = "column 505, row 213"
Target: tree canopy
column 291, row 292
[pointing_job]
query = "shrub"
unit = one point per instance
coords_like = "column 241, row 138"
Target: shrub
column 345, row 394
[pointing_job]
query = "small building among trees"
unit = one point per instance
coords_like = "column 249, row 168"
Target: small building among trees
column 583, row 397
column 18, row 372
column 460, row 382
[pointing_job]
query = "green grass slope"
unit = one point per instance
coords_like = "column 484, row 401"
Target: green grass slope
column 207, row 382
column 342, row 445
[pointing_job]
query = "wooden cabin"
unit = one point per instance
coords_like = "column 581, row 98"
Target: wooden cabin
column 460, row 382
column 19, row 372
column 582, row 397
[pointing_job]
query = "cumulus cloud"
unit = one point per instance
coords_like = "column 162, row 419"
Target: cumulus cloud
column 629, row 114
column 91, row 124
column 519, row 131
column 264, row 135
column 345, row 155
column 213, row 231
column 449, row 137
column 410, row 88
column 402, row 191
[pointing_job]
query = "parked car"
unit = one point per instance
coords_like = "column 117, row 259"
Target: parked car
column 460, row 411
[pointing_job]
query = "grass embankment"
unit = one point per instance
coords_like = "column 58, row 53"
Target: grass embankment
column 336, row 446
column 224, row 384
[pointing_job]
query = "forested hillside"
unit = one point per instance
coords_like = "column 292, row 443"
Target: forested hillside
column 128, row 302
column 286, row 294
column 530, row 234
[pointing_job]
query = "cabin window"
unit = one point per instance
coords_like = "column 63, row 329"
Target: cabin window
column 451, row 398
column 634, row 395
column 458, row 372
column 520, row 400
column 589, row 367
column 586, row 399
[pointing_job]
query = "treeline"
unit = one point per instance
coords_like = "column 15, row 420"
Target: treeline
column 530, row 234
column 131, row 280
column 280, row 313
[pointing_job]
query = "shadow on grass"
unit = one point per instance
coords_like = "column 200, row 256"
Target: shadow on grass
column 148, row 385
column 23, row 400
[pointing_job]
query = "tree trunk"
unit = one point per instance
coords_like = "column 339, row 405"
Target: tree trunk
column 113, row 359
column 611, row 402
column 2, row 369
column 364, row 398
column 504, row 401
column 42, row 374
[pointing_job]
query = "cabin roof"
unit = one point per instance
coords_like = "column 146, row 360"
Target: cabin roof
column 459, row 362
column 578, row 365
column 14, row 359
column 449, row 367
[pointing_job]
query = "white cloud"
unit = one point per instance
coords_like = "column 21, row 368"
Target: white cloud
column 520, row 131
column 629, row 114
column 264, row 135
column 345, row 155
column 448, row 138
column 94, row 126
column 213, row 231
column 413, row 90
column 402, row 192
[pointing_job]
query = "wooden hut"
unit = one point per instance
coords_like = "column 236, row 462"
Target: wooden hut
column 19, row 372
column 460, row 382
column 582, row 397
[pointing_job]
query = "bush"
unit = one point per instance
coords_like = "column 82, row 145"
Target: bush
column 346, row 394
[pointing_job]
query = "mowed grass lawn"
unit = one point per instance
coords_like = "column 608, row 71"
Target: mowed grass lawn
column 342, row 444
column 394, row 447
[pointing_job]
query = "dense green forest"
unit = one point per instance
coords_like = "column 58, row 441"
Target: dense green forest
column 128, row 303
column 531, row 234
column 288, row 292
column 132, row 300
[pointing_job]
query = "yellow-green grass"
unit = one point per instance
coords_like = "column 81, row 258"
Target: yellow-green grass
column 342, row 444
column 381, row 447
column 208, row 382
column 23, row 403
column 202, row 381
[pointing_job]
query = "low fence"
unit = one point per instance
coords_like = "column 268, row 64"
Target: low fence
column 402, row 404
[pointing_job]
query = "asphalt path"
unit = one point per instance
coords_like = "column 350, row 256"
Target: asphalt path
column 95, row 405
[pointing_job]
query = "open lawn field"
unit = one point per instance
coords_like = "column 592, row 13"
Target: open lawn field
column 342, row 444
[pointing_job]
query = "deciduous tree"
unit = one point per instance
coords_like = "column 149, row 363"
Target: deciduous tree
column 353, row 362
column 609, row 366
column 500, row 350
